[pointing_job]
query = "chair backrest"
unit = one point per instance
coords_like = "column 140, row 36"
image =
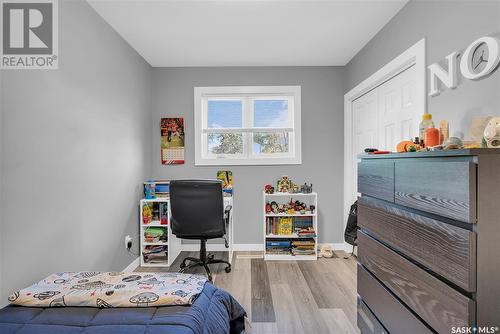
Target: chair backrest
column 197, row 209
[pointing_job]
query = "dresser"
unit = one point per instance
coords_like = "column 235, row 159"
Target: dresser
column 429, row 242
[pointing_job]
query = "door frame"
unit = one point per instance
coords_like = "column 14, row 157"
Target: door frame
column 413, row 56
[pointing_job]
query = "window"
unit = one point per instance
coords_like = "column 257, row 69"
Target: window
column 247, row 125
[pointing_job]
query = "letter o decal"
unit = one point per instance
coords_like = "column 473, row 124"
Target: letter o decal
column 493, row 58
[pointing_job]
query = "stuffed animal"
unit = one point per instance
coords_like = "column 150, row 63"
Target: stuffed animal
column 491, row 137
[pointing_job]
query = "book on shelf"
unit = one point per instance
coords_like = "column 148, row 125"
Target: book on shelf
column 289, row 225
column 303, row 247
column 155, row 234
column 279, row 243
column 278, row 246
column 155, row 254
column 278, row 251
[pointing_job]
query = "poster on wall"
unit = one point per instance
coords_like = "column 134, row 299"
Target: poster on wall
column 172, row 141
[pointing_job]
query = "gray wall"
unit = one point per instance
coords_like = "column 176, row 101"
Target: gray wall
column 76, row 147
column 322, row 139
column 448, row 26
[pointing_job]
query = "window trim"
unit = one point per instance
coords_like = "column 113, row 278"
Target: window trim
column 255, row 92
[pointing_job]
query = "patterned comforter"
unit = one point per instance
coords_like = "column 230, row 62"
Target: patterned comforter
column 213, row 312
column 111, row 289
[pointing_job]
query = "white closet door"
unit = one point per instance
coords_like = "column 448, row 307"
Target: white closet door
column 366, row 119
column 365, row 132
column 384, row 116
column 396, row 110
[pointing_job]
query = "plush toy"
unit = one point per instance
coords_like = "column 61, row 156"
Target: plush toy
column 274, row 207
column 491, row 137
column 268, row 208
column 285, row 185
column 269, row 189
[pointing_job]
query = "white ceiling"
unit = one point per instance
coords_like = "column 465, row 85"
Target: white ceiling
column 174, row 33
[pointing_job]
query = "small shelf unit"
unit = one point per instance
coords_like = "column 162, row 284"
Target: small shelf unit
column 283, row 198
column 169, row 242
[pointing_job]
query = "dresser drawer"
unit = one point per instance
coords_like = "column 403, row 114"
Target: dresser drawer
column 439, row 305
column 367, row 321
column 445, row 188
column 376, row 178
column 447, row 250
column 395, row 316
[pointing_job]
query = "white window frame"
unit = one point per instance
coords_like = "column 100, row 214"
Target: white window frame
column 292, row 93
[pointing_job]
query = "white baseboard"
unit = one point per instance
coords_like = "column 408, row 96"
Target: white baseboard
column 248, row 247
column 131, row 267
column 338, row 246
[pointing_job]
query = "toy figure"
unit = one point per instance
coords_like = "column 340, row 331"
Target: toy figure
column 285, row 185
column 269, row 189
column 147, row 213
column 312, row 208
column 306, row 189
column 268, row 208
column 295, row 189
column 274, row 207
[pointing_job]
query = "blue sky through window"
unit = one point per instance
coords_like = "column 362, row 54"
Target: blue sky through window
column 225, row 114
column 270, row 113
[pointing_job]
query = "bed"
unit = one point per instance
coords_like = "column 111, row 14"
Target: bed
column 213, row 311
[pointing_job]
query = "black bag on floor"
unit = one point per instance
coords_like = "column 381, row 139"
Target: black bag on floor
column 351, row 228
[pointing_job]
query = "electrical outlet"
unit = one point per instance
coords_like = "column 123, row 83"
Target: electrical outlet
column 128, row 242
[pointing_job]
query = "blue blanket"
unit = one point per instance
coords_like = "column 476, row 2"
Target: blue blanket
column 214, row 311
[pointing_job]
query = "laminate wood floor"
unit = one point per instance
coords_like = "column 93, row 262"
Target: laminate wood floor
column 288, row 296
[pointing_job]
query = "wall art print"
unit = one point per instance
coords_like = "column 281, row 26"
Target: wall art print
column 172, row 141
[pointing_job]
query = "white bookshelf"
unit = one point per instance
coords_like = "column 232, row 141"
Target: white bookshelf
column 282, row 198
column 172, row 243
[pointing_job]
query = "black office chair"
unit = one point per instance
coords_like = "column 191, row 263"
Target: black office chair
column 197, row 212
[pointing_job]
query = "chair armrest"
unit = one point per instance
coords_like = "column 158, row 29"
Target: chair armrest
column 227, row 213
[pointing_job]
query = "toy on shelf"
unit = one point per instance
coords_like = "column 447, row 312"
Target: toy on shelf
column 284, row 185
column 306, row 189
column 147, row 213
column 149, row 189
column 268, row 208
column 290, row 208
column 269, row 189
column 274, row 207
